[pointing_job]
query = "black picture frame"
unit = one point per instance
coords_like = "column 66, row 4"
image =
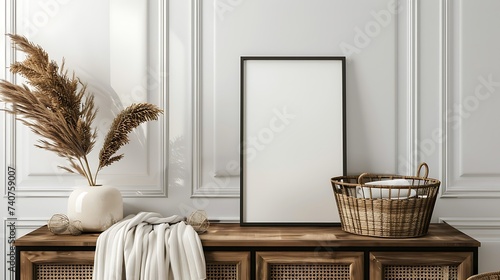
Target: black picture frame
column 292, row 132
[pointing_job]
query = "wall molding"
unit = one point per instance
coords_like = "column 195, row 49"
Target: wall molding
column 475, row 223
column 8, row 143
column 196, row 95
column 484, row 228
column 408, row 85
column 455, row 185
column 152, row 183
column 3, row 68
column 444, row 64
column 26, row 224
column 219, row 185
column 412, row 78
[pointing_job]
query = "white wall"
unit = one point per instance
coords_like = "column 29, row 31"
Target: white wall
column 421, row 86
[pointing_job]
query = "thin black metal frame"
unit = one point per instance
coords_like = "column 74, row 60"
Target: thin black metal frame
column 243, row 59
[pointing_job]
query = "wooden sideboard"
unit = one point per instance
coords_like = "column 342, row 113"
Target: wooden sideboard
column 235, row 252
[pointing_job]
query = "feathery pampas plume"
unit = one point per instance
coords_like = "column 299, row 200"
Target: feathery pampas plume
column 58, row 108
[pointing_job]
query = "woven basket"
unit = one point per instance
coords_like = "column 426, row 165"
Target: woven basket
column 486, row 276
column 395, row 211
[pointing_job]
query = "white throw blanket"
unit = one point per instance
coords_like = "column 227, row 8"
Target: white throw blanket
column 149, row 247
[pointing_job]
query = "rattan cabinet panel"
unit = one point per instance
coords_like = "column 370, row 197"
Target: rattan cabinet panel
column 420, row 265
column 228, row 265
column 76, row 265
column 63, row 272
column 56, row 265
column 309, row 265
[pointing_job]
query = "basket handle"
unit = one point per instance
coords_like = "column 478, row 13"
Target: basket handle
column 360, row 178
column 426, row 173
column 423, row 164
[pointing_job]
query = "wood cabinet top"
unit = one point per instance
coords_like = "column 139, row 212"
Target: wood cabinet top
column 439, row 235
column 43, row 237
column 234, row 235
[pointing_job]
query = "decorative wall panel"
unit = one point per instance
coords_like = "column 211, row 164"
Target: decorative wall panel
column 378, row 34
column 119, row 68
column 471, row 159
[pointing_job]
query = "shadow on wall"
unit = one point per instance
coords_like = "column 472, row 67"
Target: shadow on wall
column 177, row 171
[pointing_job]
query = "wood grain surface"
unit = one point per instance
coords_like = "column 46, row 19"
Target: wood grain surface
column 231, row 235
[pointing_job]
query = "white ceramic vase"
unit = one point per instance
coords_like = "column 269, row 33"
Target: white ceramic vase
column 96, row 207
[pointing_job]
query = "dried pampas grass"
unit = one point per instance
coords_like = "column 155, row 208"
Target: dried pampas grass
column 58, row 108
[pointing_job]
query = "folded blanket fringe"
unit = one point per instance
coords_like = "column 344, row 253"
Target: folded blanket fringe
column 147, row 246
